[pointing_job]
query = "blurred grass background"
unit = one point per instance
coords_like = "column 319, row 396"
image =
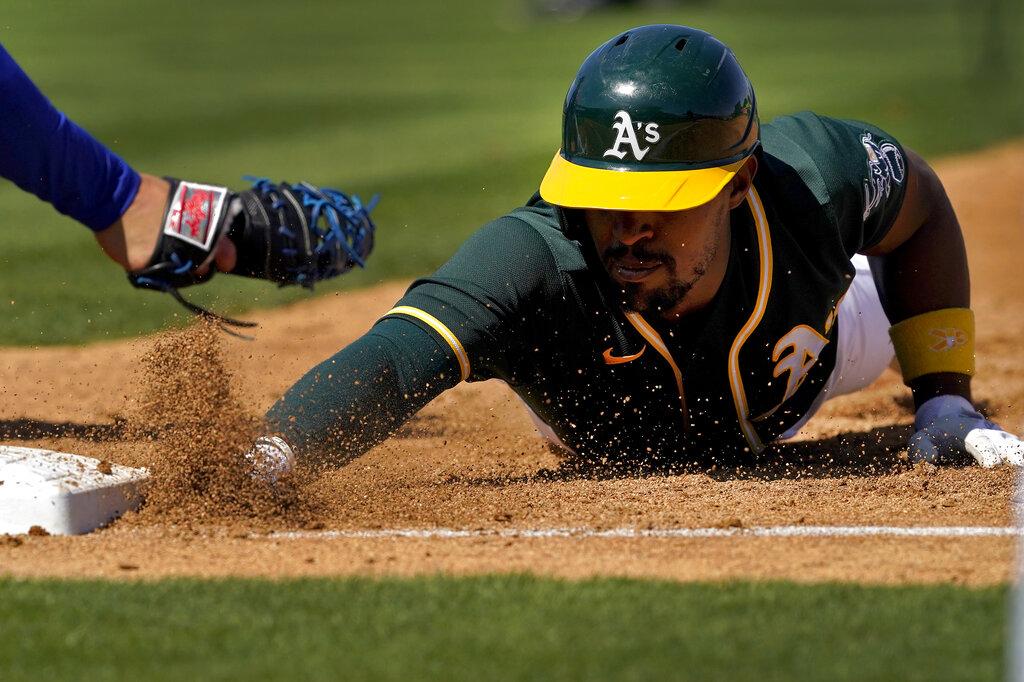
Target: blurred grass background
column 450, row 111
column 496, row 628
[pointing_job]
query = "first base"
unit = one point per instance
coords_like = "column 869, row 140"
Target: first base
column 62, row 493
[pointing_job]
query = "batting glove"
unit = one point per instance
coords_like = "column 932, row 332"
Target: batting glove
column 948, row 426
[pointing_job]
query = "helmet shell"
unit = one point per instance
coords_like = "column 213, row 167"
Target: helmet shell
column 658, row 99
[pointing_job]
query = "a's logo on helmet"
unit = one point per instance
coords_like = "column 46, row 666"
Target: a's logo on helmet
column 626, row 134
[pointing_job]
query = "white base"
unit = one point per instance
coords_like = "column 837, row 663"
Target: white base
column 62, row 493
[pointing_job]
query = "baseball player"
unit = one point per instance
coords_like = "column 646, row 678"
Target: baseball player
column 687, row 284
column 169, row 233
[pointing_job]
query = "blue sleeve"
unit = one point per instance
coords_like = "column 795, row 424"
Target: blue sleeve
column 44, row 152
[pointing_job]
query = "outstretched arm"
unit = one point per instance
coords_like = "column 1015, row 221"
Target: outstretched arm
column 920, row 267
column 356, row 398
column 45, row 153
column 470, row 320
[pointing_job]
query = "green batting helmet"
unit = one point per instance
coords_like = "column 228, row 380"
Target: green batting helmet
column 658, row 118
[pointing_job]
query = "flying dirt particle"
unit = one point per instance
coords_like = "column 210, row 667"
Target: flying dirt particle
column 731, row 522
column 198, row 431
column 926, row 468
column 10, row 541
column 38, row 532
column 128, row 567
column 104, row 467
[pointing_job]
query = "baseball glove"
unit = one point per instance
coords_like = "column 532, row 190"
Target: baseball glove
column 289, row 234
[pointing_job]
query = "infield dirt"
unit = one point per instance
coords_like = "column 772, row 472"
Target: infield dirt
column 471, row 459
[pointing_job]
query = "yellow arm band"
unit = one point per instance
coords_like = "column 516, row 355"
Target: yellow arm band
column 939, row 341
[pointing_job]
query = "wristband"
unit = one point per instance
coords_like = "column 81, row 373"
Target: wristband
column 938, row 341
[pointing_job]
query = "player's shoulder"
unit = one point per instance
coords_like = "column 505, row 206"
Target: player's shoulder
column 535, row 228
column 831, row 155
column 522, row 254
column 814, row 133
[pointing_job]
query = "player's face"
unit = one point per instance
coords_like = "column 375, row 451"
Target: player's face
column 662, row 260
column 669, row 262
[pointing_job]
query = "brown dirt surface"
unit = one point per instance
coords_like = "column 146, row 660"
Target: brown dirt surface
column 195, row 432
column 186, row 404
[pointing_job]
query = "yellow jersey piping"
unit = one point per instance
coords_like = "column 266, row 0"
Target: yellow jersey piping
column 654, row 339
column 764, row 287
column 442, row 330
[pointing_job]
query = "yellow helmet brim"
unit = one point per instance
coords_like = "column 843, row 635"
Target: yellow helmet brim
column 573, row 186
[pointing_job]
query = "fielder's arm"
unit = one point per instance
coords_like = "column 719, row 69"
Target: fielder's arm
column 45, row 153
column 167, row 234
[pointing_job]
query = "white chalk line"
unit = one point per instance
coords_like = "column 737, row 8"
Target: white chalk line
column 585, row 532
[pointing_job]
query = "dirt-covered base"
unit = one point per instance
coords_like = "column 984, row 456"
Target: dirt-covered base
column 472, row 461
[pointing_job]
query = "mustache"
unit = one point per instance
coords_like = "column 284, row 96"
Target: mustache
column 639, row 252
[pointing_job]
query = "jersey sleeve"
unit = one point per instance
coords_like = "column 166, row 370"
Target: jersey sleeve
column 857, row 170
column 359, row 396
column 44, row 152
column 467, row 320
column 489, row 300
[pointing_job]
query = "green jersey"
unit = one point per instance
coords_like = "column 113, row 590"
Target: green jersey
column 526, row 300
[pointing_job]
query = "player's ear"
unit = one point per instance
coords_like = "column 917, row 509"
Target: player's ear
column 741, row 182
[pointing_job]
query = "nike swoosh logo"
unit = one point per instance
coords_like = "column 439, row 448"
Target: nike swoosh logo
column 610, row 359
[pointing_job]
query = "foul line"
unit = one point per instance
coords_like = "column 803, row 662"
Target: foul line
column 584, row 532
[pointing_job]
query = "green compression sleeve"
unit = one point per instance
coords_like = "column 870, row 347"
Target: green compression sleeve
column 361, row 395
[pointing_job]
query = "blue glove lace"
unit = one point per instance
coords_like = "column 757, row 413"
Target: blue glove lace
column 340, row 221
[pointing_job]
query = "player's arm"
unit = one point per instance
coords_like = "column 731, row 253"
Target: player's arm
column 46, row 153
column 170, row 234
column 470, row 320
column 356, row 398
column 920, row 267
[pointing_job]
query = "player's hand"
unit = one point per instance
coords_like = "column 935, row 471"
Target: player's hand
column 282, row 232
column 131, row 241
column 271, row 458
column 948, row 426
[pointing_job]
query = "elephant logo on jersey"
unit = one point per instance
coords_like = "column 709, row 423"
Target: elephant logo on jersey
column 805, row 345
column 885, row 166
column 626, row 134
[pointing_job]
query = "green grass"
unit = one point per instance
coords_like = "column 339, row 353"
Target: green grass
column 496, row 628
column 450, row 111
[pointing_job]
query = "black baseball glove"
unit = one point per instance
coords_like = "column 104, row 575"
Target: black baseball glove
column 289, row 234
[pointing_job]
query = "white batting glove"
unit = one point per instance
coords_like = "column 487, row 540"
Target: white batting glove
column 948, row 426
column 271, row 459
